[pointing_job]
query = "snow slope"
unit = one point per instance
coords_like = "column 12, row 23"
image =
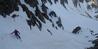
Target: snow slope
column 61, row 39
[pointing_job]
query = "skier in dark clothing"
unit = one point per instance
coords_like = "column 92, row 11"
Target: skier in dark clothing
column 16, row 34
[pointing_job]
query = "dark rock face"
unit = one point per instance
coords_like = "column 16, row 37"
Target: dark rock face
column 52, row 13
column 36, row 17
column 59, row 23
column 8, row 6
column 50, row 32
column 44, row 8
column 39, row 17
column 44, row 1
column 14, row 16
column 88, row 7
column 87, row 0
column 63, row 2
column 76, row 30
column 75, row 2
column 32, row 3
column 95, row 42
column 96, row 16
column 81, row 1
column 55, row 1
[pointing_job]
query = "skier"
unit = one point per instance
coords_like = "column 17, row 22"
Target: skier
column 16, row 34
